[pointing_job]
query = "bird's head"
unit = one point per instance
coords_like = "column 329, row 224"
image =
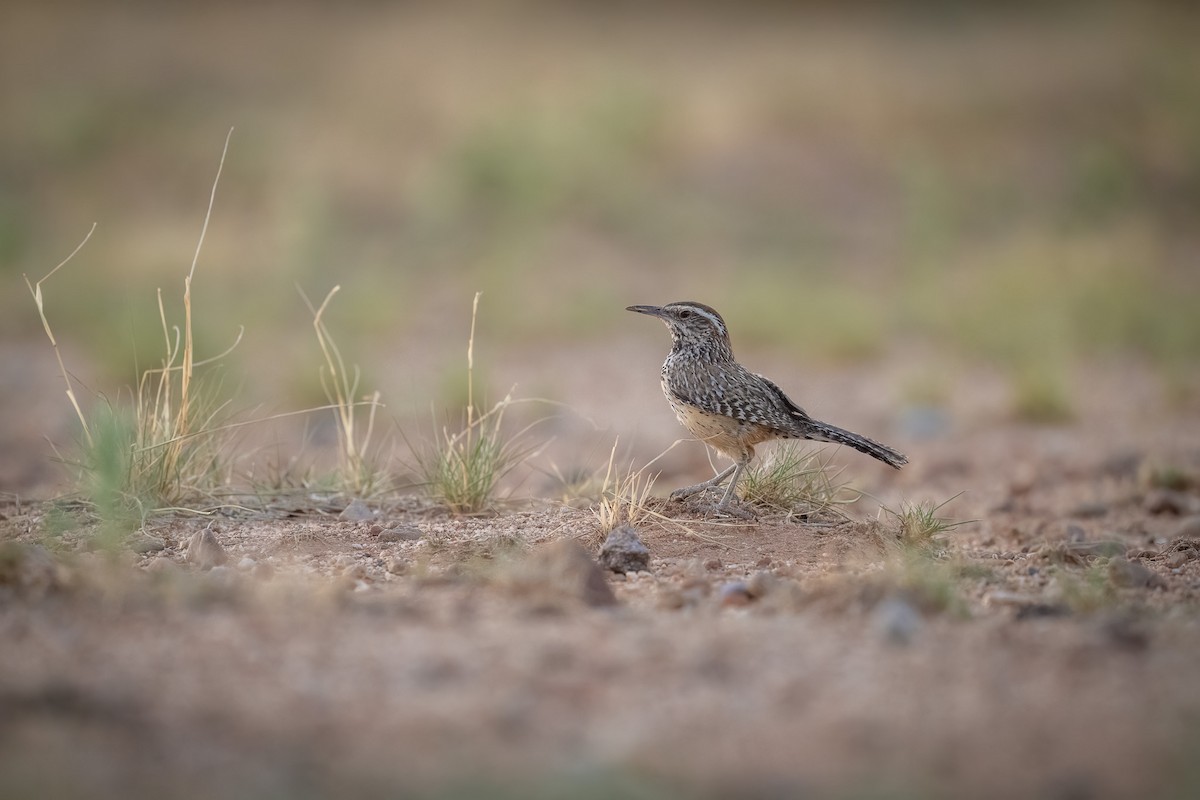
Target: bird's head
column 692, row 325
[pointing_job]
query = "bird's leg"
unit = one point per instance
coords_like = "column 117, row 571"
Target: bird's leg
column 688, row 491
column 724, row 506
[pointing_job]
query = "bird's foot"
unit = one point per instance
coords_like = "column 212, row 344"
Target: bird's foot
column 725, row 508
column 728, row 509
column 690, row 491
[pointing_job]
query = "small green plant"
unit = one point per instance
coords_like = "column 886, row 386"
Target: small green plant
column 108, row 464
column 358, row 472
column 1087, row 590
column 462, row 469
column 933, row 584
column 795, row 481
column 920, row 524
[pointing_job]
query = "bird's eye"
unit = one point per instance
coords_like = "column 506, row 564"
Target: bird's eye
column 685, row 313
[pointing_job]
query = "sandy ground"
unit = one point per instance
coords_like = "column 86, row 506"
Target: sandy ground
column 413, row 652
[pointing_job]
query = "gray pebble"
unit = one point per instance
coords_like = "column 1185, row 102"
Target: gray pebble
column 1178, row 558
column 760, row 583
column 356, row 511
column 401, row 533
column 1131, row 574
column 1188, row 528
column 564, row 567
column 163, row 565
column 623, row 551
column 1089, row 510
column 1169, row 501
column 205, row 551
column 222, row 575
column 897, row 620
column 145, row 543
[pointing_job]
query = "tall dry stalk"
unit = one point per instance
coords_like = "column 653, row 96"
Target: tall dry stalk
column 35, row 289
column 356, row 471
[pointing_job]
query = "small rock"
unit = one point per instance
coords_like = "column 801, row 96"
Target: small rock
column 1075, row 533
column 355, row 572
column 735, row 593
column 343, row 562
column 163, row 565
column 401, row 533
column 623, row 551
column 397, row 566
column 1041, row 610
column 671, row 599
column 566, row 567
column 246, row 564
column 1122, row 465
column 763, row 562
column 263, row 571
column 1089, row 510
column 1024, row 478
column 1178, row 558
column 760, row 584
column 223, row 576
column 145, row 543
column 1169, row 501
column 1188, row 528
column 1131, row 574
column 205, row 551
column 356, row 511
column 713, row 565
column 1126, row 632
column 897, row 620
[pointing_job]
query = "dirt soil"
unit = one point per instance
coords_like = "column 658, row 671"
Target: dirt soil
column 1046, row 649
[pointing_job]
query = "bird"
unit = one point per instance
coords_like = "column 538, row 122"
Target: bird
column 730, row 408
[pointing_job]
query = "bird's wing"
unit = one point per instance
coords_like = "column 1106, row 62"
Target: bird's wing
column 732, row 391
column 785, row 402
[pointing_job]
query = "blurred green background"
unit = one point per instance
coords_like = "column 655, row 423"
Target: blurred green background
column 843, row 181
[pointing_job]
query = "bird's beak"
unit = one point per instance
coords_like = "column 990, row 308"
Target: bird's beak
column 654, row 311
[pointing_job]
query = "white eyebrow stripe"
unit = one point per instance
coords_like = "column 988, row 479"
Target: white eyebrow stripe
column 711, row 318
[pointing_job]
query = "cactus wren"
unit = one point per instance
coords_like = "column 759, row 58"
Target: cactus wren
column 728, row 407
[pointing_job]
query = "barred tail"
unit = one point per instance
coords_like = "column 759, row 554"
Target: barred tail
column 823, row 432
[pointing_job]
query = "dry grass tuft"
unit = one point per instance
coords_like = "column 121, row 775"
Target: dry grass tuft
column 794, row 481
column 168, row 448
column 358, row 472
column 624, row 497
column 461, row 470
column 919, row 523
